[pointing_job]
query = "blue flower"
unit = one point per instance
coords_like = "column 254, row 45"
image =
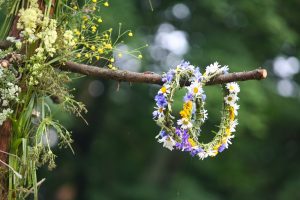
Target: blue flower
column 203, row 97
column 184, row 64
column 163, row 133
column 222, row 148
column 196, row 151
column 169, row 76
column 188, row 97
column 198, row 74
column 161, row 100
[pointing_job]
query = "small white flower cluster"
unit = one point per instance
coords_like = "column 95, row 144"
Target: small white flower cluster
column 48, row 36
column 17, row 42
column 232, row 97
column 29, row 19
column 9, row 93
column 69, row 39
column 213, row 70
column 36, row 73
column 36, row 26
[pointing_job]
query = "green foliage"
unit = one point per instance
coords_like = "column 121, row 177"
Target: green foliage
column 118, row 157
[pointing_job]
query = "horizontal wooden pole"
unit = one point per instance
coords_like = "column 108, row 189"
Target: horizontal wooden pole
column 153, row 78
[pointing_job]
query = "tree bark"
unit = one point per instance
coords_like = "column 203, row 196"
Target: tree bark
column 153, row 78
column 5, row 134
column 6, row 128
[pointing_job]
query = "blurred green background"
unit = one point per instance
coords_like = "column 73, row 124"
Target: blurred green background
column 117, row 156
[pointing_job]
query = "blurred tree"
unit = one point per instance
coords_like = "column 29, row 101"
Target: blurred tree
column 117, row 156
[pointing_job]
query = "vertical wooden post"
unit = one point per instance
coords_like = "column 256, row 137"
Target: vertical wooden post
column 6, row 128
column 5, row 134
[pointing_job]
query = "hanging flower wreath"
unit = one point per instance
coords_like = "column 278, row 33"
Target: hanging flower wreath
column 185, row 135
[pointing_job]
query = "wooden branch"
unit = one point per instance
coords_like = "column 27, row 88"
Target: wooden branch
column 153, row 78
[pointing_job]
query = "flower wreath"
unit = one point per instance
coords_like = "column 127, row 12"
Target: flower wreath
column 184, row 137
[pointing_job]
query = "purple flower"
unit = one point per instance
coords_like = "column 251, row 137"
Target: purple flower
column 163, row 133
column 198, row 74
column 169, row 76
column 184, row 64
column 188, row 97
column 222, row 148
column 155, row 114
column 161, row 100
column 178, row 132
column 203, row 97
column 196, row 151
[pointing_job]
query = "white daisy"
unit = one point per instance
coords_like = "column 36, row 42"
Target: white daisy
column 205, row 115
column 202, row 155
column 168, row 142
column 164, row 89
column 195, row 88
column 212, row 152
column 235, row 108
column 159, row 113
column 231, row 99
column 233, row 124
column 228, row 141
column 233, row 87
column 225, row 69
column 212, row 68
column 185, row 123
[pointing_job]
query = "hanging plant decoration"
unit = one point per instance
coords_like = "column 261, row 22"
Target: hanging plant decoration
column 46, row 40
column 185, row 135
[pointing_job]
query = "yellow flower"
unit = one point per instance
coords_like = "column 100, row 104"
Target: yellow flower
column 83, row 26
column 188, row 105
column 192, row 142
column 231, row 113
column 108, row 46
column 94, row 1
column 98, row 57
column 76, row 32
column 78, row 55
column 227, row 131
column 87, row 55
column 100, row 50
column 130, row 34
column 94, row 28
column 106, row 4
column 120, row 55
column 85, row 18
column 163, row 89
column 140, row 56
column 93, row 48
column 112, row 60
column 75, row 7
column 184, row 114
column 99, row 20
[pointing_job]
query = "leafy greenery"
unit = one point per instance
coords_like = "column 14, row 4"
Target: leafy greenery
column 117, row 156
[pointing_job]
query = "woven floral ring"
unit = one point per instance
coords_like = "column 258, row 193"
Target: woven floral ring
column 185, row 135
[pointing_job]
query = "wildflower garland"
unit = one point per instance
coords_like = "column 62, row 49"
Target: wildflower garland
column 47, row 35
column 185, row 135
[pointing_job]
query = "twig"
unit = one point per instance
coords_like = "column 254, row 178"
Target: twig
column 153, row 78
column 37, row 185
